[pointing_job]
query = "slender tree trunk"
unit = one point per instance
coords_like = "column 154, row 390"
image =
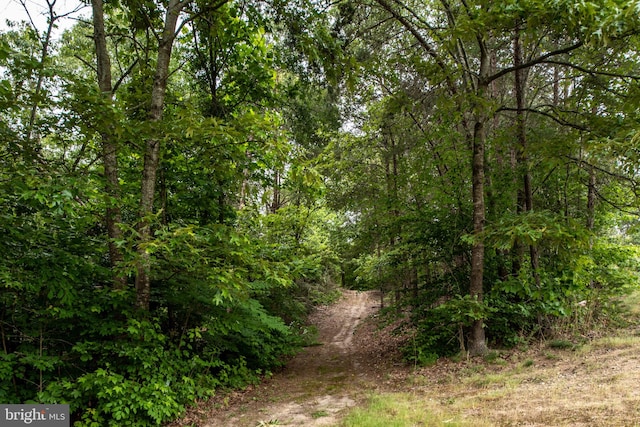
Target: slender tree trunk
column 518, row 250
column 519, row 159
column 244, row 188
column 164, row 195
column 391, row 179
column 391, row 176
column 152, row 155
column 113, row 216
column 521, row 130
column 477, row 344
column 591, row 195
column 591, row 203
column 275, row 201
column 556, row 86
column 44, row 55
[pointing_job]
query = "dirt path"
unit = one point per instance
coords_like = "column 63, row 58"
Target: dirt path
column 320, row 382
column 594, row 384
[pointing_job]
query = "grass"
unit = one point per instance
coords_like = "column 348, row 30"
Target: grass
column 632, row 304
column 584, row 387
column 399, row 410
column 319, row 414
column 504, row 379
column 268, row 423
column 561, row 344
column 557, row 383
column 612, row 343
column 616, row 342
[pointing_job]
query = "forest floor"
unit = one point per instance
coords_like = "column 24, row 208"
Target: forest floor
column 355, row 377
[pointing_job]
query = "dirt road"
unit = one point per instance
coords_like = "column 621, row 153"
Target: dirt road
column 321, row 381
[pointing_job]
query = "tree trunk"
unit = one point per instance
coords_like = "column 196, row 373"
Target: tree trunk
column 164, row 196
column 521, row 130
column 152, row 155
column 31, row 147
column 556, row 86
column 275, row 200
column 244, row 188
column 591, row 203
column 113, row 216
column 477, row 344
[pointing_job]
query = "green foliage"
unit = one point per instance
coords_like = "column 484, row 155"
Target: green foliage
column 144, row 377
column 440, row 329
column 532, row 228
column 297, row 233
column 140, row 380
column 231, row 284
column 208, row 332
column 268, row 194
column 578, row 288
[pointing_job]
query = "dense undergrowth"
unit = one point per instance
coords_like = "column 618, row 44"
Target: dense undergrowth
column 575, row 292
column 227, row 307
column 573, row 303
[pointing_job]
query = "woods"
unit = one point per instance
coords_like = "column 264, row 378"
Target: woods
column 182, row 181
column 494, row 108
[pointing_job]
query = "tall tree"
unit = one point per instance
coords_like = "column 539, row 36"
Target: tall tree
column 152, row 152
column 465, row 50
column 113, row 217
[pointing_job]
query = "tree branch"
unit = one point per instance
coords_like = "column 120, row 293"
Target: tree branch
column 633, row 182
column 539, row 60
column 421, row 40
column 616, row 206
column 548, row 115
column 592, row 72
column 124, row 75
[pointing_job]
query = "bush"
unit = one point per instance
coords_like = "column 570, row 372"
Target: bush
column 143, row 378
column 440, row 330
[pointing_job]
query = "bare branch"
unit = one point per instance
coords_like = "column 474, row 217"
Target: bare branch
column 86, row 63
